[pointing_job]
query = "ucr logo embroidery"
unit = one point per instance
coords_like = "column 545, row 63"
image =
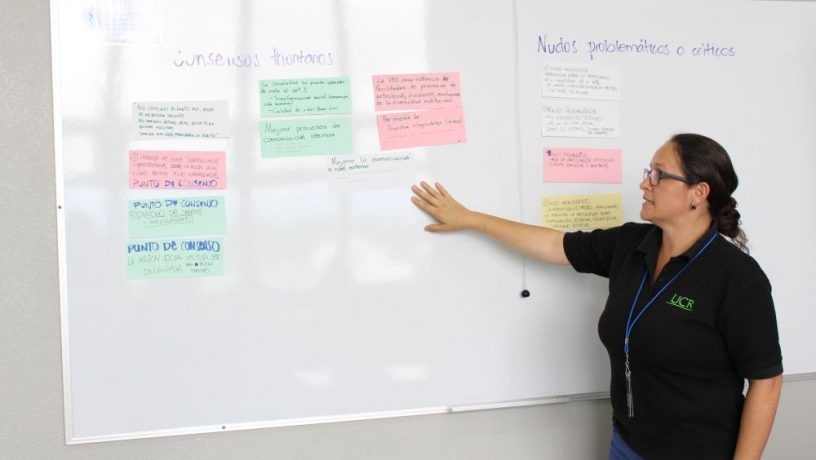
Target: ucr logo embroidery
column 681, row 302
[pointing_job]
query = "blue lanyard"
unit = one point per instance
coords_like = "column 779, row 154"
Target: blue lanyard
column 630, row 324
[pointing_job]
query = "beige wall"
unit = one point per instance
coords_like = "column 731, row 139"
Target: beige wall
column 31, row 403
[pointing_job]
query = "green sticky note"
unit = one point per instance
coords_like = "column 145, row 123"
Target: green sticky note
column 305, row 96
column 175, row 258
column 315, row 136
column 161, row 217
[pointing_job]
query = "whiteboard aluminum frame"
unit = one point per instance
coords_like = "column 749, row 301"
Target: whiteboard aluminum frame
column 60, row 196
column 63, row 305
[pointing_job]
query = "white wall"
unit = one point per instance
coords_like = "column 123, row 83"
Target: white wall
column 31, row 406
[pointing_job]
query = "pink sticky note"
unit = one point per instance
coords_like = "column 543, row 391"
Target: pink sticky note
column 418, row 129
column 417, row 91
column 582, row 165
column 177, row 170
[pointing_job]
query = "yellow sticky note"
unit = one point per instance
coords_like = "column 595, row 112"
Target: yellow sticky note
column 574, row 212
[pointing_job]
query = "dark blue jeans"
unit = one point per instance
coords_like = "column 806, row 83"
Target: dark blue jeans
column 618, row 450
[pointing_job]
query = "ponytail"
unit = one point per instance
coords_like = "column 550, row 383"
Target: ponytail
column 728, row 223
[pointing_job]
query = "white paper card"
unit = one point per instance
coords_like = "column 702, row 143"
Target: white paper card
column 581, row 81
column 184, row 119
column 370, row 172
column 580, row 119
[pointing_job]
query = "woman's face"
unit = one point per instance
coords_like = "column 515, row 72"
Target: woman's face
column 670, row 201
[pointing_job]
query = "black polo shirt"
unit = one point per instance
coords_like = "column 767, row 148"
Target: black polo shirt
column 713, row 327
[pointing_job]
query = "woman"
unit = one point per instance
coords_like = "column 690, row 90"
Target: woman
column 689, row 315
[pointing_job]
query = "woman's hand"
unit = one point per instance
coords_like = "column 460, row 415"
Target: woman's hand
column 437, row 202
column 530, row 240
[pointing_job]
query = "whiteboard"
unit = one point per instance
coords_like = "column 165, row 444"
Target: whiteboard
column 334, row 304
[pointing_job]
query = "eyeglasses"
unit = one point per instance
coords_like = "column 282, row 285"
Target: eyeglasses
column 654, row 176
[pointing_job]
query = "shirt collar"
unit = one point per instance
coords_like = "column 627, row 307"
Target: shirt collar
column 650, row 244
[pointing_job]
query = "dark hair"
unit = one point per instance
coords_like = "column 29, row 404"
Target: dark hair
column 704, row 160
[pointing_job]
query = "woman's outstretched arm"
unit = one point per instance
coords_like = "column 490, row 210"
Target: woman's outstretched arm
column 530, row 240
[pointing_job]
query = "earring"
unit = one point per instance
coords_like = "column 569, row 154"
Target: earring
column 693, row 206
